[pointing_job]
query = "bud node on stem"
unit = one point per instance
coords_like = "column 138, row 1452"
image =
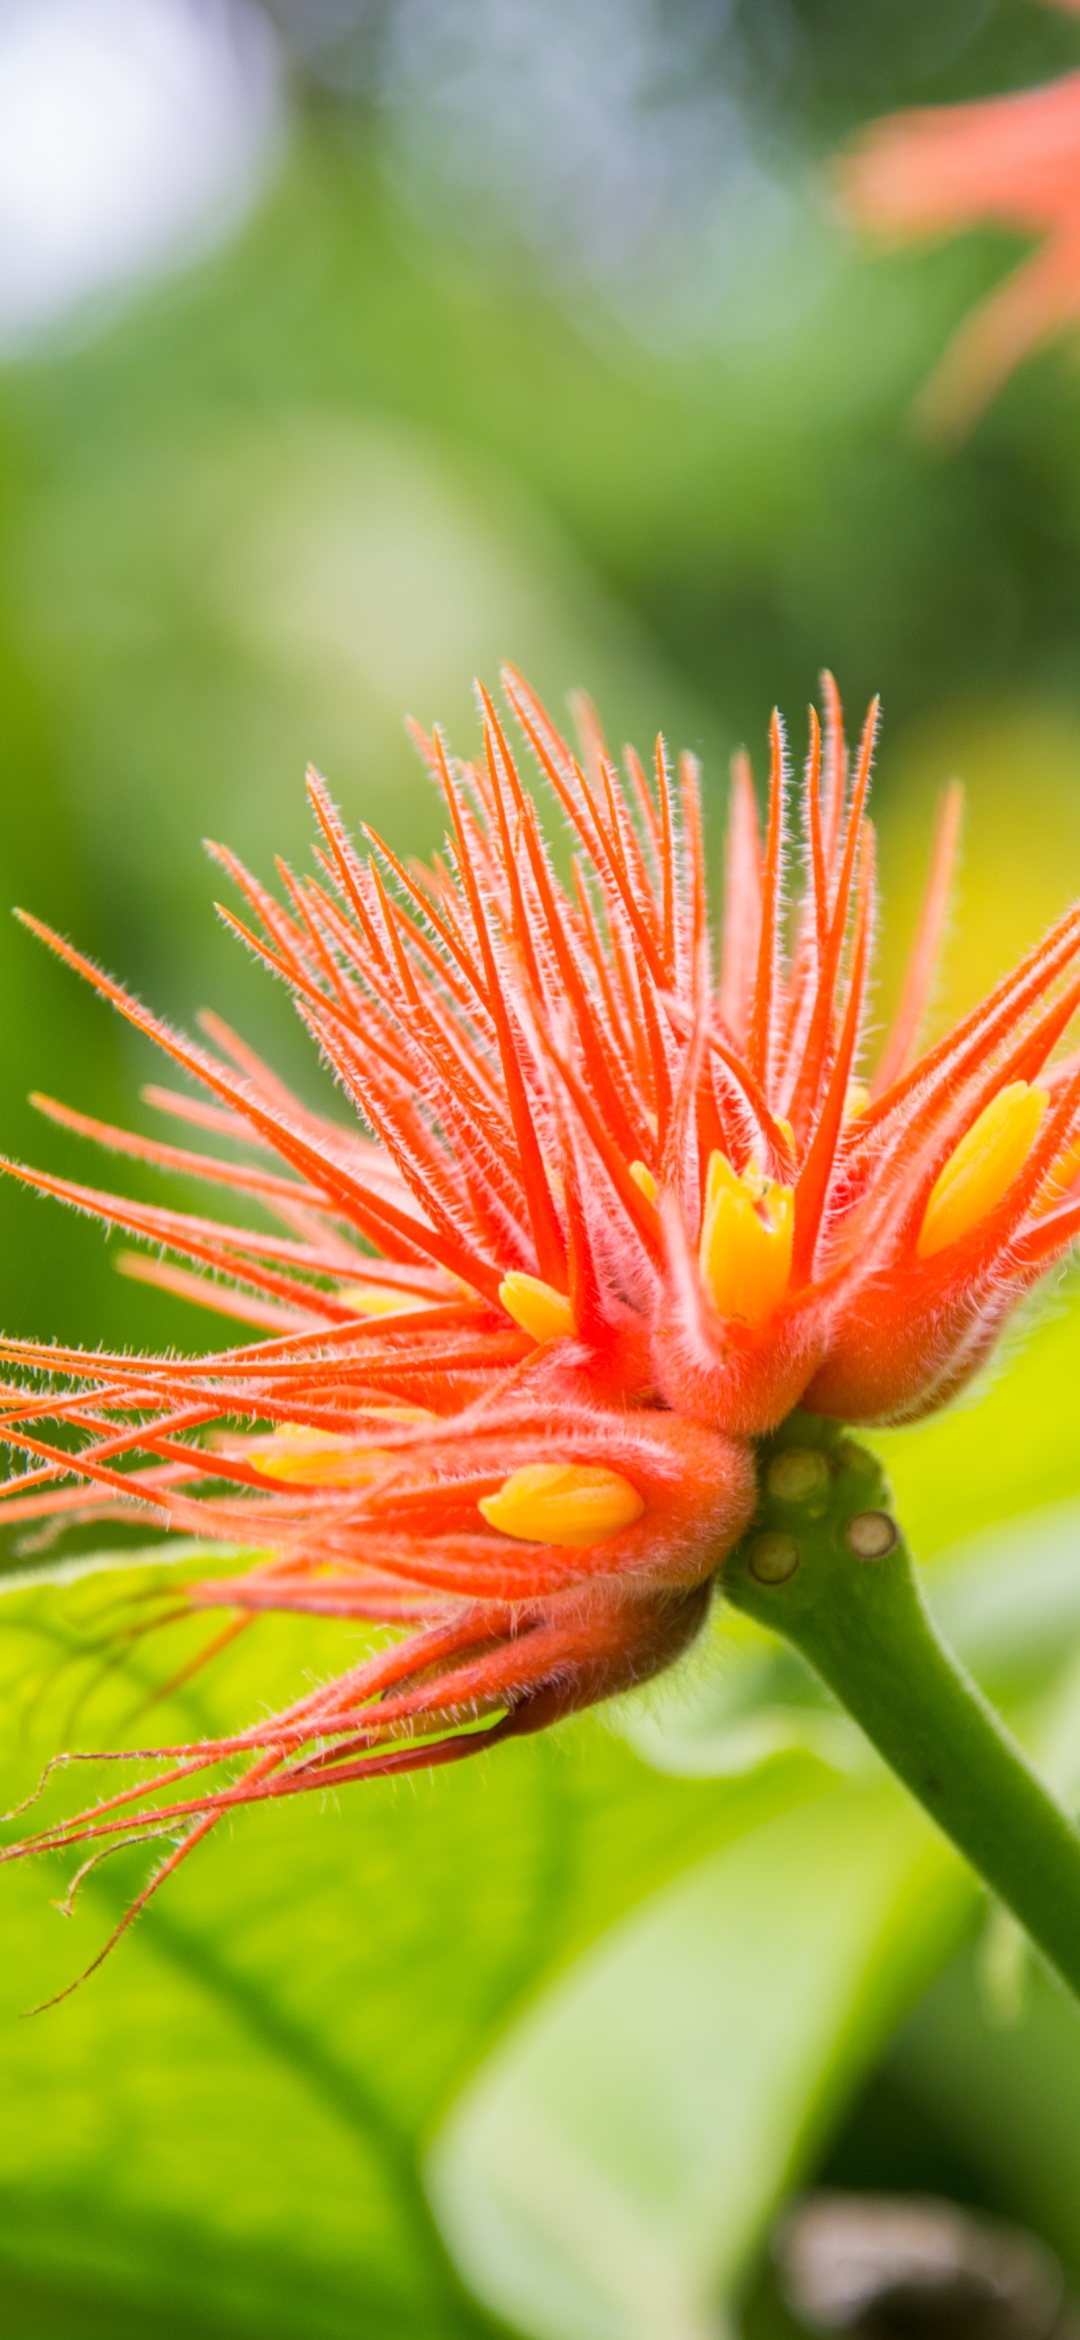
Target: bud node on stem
column 871, row 1535
column 773, row 1558
column 797, row 1474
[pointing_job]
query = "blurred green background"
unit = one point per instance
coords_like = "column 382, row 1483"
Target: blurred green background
column 465, row 330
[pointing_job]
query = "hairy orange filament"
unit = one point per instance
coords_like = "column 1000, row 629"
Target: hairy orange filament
column 1063, row 1176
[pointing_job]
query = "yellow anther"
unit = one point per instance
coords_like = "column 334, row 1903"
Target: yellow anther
column 541, row 1311
column 643, row 1177
column 746, row 1238
column 381, row 1300
column 856, row 1100
column 787, row 1132
column 563, row 1503
column 406, row 1414
column 316, row 1458
column 983, row 1166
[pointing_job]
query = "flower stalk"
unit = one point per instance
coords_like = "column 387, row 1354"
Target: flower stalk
column 826, row 1566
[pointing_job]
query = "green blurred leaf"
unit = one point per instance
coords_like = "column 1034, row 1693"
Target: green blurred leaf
column 1005, row 2095
column 1008, row 1599
column 221, row 2130
column 610, row 2171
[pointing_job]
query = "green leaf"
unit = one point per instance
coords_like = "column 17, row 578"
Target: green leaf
column 1004, row 2095
column 608, row 2174
column 71, row 1567
column 1008, row 1598
column 221, row 2130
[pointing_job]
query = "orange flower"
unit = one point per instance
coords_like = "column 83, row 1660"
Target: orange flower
column 616, row 1215
column 1012, row 162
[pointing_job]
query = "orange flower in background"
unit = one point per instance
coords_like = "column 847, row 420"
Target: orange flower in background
column 1012, row 162
column 607, row 1211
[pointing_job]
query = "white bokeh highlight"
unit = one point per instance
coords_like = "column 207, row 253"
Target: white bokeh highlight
column 612, row 140
column 133, row 134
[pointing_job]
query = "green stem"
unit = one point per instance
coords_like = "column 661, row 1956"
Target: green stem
column 862, row 1623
